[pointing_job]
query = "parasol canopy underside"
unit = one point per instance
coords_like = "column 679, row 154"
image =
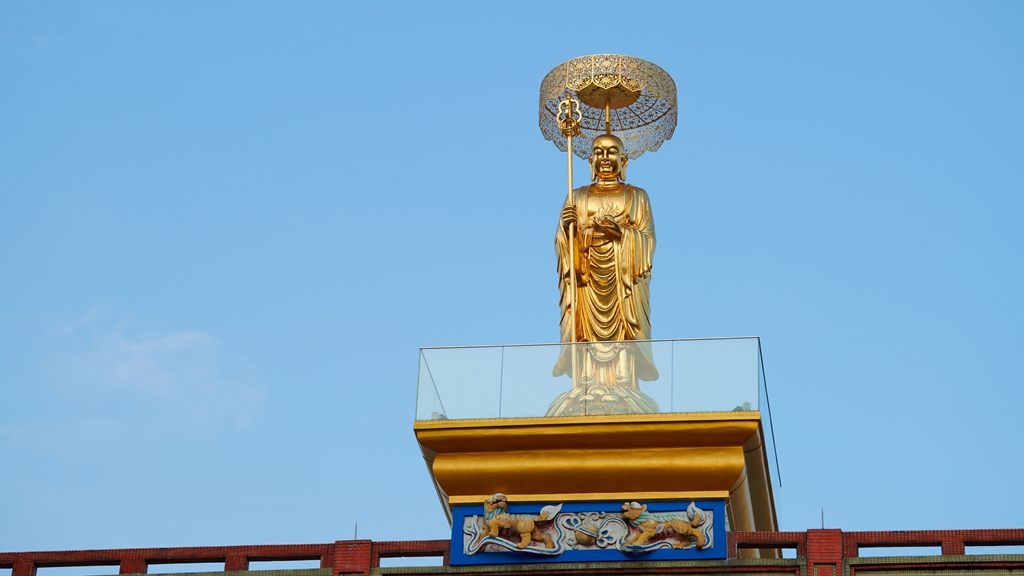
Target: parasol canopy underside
column 641, row 95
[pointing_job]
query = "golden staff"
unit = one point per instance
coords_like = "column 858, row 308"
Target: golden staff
column 569, row 117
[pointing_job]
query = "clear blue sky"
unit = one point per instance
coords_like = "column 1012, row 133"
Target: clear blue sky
column 226, row 228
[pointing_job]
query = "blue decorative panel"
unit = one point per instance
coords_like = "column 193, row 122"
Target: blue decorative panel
column 502, row 533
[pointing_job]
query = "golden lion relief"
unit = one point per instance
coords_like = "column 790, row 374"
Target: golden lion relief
column 649, row 525
column 497, row 516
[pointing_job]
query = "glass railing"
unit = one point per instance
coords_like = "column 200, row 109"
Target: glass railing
column 596, row 378
column 536, row 380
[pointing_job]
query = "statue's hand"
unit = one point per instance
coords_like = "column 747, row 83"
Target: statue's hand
column 568, row 216
column 610, row 228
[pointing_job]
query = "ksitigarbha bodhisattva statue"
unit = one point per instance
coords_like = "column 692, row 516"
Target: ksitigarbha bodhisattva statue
column 614, row 251
column 608, row 108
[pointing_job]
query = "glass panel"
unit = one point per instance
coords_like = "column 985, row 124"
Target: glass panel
column 662, row 389
column 711, row 375
column 466, row 383
column 715, row 375
column 428, row 400
column 529, row 385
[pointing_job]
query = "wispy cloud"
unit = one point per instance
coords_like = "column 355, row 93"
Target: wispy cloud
column 110, row 387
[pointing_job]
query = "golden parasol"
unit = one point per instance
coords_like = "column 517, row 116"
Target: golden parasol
column 630, row 97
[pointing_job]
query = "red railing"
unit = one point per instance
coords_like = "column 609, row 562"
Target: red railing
column 951, row 542
column 353, row 557
column 344, row 557
column 794, row 540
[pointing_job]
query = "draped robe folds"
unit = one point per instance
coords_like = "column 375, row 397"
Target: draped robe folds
column 612, row 298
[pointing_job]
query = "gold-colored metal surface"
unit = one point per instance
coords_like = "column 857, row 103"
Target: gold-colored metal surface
column 615, row 97
column 569, row 117
column 605, row 240
column 601, row 458
column 624, row 471
column 641, row 95
column 605, row 247
column 605, row 496
column 650, row 430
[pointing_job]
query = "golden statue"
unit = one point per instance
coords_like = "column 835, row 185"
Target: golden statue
column 614, row 250
column 605, row 239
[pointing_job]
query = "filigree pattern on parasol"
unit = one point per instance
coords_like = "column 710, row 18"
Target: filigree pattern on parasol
column 639, row 97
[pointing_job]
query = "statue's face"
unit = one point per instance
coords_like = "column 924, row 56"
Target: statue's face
column 607, row 157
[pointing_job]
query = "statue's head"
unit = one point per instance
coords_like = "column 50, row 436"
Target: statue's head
column 608, row 158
